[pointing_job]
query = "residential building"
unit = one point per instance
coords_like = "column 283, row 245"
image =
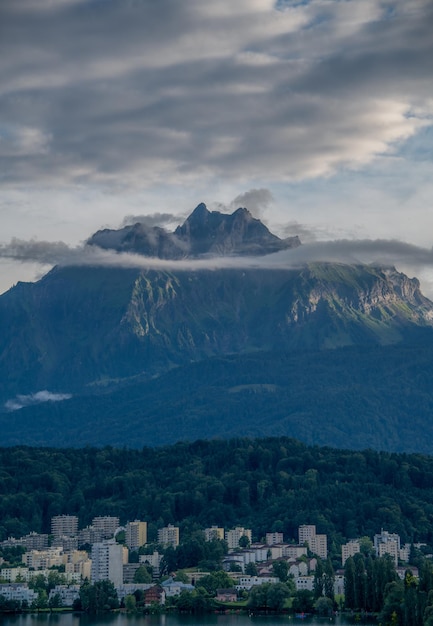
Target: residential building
column 233, row 536
column 18, row 591
column 154, row 595
column 214, row 532
column 64, row 525
column 67, row 594
column 248, row 582
column 129, row 570
column 44, row 559
column 154, row 560
column 387, row 543
column 304, row 582
column 169, row 536
column 274, row 538
column 35, row 541
column 175, row 588
column 305, row 533
column 89, row 535
column 136, row 534
column 318, row 544
column 12, row 573
column 107, row 562
column 226, row 595
column 348, row 549
column 294, row 552
column 107, row 525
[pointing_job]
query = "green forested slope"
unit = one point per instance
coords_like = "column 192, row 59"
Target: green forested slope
column 378, row 397
column 266, row 484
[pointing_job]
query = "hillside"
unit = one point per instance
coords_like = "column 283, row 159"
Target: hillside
column 372, row 397
column 267, row 485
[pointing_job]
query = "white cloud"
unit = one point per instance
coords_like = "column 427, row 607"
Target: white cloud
column 21, row 401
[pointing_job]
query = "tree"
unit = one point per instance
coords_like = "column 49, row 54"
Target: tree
column 251, row 569
column 303, row 602
column 130, row 603
column 216, row 580
column 101, row 596
column 324, row 607
column 349, row 583
column 277, row 595
column 318, row 583
column 281, row 570
column 329, row 580
column 244, row 542
column 142, row 575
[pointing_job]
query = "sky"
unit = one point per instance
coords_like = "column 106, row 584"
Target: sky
column 315, row 115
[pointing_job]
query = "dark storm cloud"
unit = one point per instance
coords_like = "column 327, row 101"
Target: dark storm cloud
column 132, row 93
column 255, row 200
column 380, row 251
column 153, row 219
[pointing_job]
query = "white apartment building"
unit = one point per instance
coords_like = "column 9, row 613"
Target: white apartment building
column 44, row 559
column 348, row 549
column 304, row 582
column 12, row 573
column 294, row 552
column 107, row 562
column 233, row 536
column 154, row 560
column 64, row 525
column 305, row 533
column 67, row 594
column 214, row 532
column 136, row 534
column 248, row 582
column 107, row 525
column 169, row 536
column 318, row 544
column 18, row 591
column 274, row 538
column 387, row 543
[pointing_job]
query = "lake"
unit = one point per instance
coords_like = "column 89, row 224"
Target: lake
column 122, row 619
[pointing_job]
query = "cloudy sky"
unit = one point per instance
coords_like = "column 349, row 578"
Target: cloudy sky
column 316, row 115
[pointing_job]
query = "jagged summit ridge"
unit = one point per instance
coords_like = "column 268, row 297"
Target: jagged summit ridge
column 203, row 233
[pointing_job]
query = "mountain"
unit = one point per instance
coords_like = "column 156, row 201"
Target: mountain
column 203, row 233
column 118, row 339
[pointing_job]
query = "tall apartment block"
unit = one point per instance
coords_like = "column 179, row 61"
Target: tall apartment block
column 214, row 532
column 64, row 526
column 273, row 538
column 233, row 536
column 107, row 562
column 169, row 536
column 349, row 549
column 318, row 544
column 136, row 534
column 107, row 525
column 387, row 543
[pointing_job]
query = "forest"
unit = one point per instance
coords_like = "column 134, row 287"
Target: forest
column 273, row 484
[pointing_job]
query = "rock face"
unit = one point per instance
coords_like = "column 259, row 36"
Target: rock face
column 82, row 326
column 203, row 233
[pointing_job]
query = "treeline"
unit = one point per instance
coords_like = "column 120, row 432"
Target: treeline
column 272, row 484
column 372, row 586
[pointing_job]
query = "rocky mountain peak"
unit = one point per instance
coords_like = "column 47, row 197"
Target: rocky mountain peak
column 204, row 232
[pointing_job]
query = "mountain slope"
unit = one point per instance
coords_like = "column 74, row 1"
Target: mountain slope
column 79, row 326
column 377, row 397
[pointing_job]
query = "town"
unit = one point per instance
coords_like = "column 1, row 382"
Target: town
column 108, row 551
